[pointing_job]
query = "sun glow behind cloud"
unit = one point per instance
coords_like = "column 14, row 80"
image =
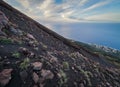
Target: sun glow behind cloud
column 70, row 10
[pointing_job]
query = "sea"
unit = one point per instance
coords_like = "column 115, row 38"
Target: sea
column 106, row 34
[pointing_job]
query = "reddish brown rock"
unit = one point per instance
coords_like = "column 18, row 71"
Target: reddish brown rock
column 37, row 65
column 35, row 77
column 53, row 60
column 47, row 74
column 5, row 76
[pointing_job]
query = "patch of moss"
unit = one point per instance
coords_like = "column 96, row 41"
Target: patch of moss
column 6, row 31
column 25, row 63
column 87, row 74
column 6, row 41
column 63, row 80
column 16, row 54
column 66, row 65
column 73, row 55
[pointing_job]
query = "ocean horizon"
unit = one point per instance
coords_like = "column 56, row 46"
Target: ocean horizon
column 106, row 34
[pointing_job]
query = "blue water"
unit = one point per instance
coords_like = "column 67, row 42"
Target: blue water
column 107, row 34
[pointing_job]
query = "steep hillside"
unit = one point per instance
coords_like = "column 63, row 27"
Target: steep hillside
column 111, row 55
column 31, row 55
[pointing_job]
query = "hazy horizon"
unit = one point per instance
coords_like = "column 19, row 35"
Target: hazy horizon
column 106, row 34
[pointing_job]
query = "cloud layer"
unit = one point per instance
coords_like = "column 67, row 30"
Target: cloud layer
column 69, row 10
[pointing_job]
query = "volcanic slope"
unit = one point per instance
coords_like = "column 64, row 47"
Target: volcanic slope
column 32, row 55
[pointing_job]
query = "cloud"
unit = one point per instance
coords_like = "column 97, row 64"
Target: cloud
column 82, row 2
column 94, row 6
column 24, row 3
column 66, row 11
column 114, row 17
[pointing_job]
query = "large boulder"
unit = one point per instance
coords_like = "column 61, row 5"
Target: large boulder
column 5, row 77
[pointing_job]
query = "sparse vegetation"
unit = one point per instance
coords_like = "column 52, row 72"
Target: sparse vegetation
column 16, row 54
column 82, row 71
column 20, row 42
column 73, row 55
column 87, row 74
column 25, row 63
column 115, row 61
column 63, row 79
column 44, row 46
column 66, row 65
column 112, row 57
column 6, row 41
column 6, row 31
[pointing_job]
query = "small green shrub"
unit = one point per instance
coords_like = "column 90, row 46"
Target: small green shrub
column 87, row 74
column 73, row 55
column 6, row 31
column 6, row 41
column 63, row 80
column 20, row 42
column 25, row 63
column 16, row 55
column 44, row 46
column 65, row 65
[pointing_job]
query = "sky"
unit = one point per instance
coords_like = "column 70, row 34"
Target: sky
column 70, row 10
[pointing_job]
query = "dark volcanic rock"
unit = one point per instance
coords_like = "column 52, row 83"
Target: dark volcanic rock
column 23, row 75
